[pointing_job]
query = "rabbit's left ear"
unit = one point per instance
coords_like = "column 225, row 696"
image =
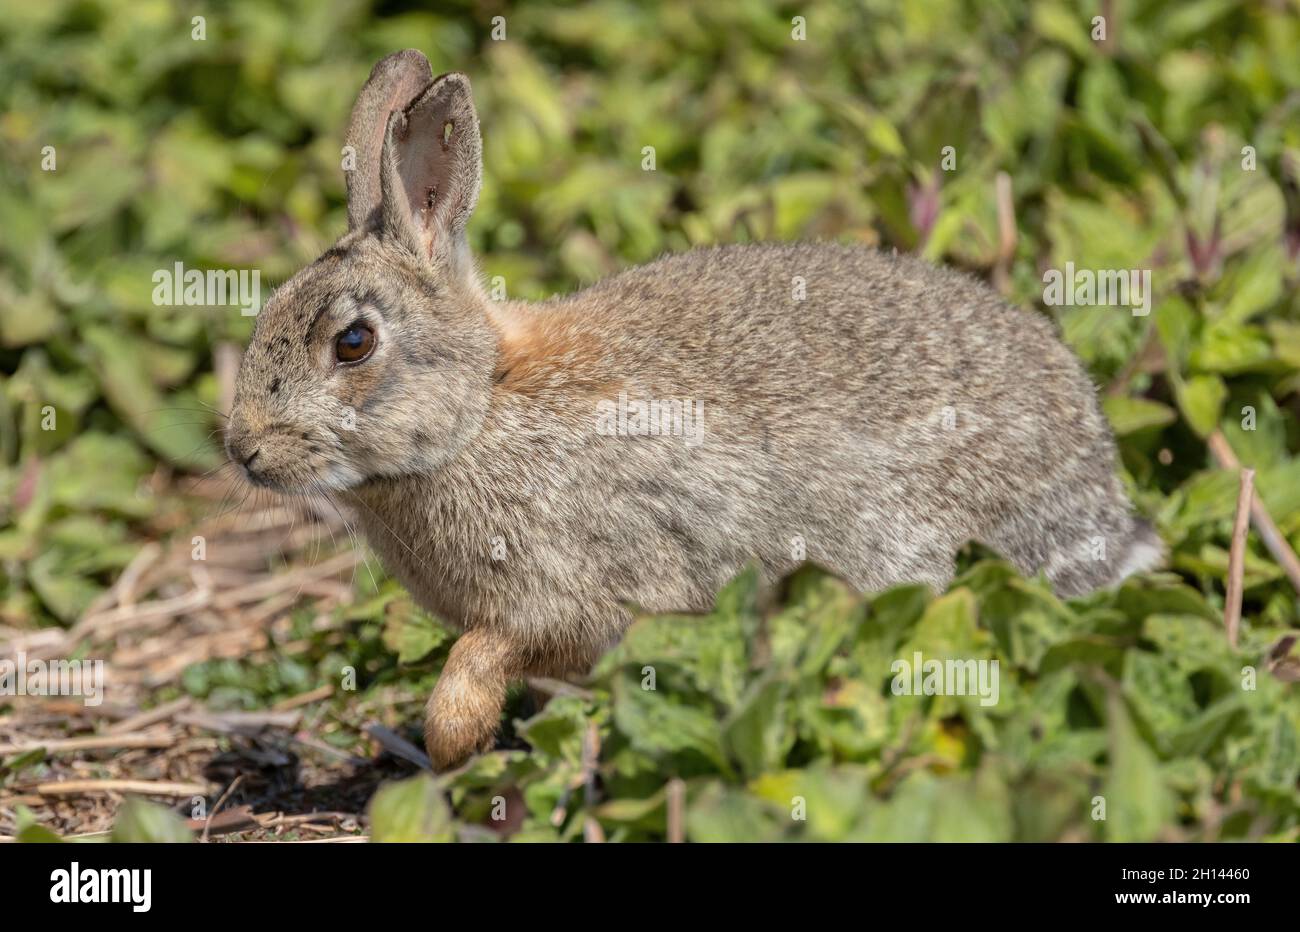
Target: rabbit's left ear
column 395, row 82
column 432, row 168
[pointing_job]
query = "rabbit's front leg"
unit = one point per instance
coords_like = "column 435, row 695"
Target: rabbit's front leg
column 464, row 711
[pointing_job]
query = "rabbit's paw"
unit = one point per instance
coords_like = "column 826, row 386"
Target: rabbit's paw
column 465, row 709
column 456, row 731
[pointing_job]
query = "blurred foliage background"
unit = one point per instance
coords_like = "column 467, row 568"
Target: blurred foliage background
column 1119, row 153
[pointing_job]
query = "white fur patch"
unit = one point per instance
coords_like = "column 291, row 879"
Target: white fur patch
column 1145, row 554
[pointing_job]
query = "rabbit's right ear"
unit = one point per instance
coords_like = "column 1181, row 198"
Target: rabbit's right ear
column 394, row 83
column 432, row 168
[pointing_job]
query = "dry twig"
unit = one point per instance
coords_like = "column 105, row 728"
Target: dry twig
column 676, row 810
column 143, row 787
column 1237, row 556
column 92, row 743
column 1269, row 533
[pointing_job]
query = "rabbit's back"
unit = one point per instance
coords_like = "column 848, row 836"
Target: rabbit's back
column 822, row 322
column 884, row 410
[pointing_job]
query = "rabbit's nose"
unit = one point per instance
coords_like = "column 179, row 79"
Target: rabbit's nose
column 241, row 449
column 246, row 459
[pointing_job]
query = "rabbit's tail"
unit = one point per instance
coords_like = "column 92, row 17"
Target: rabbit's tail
column 1144, row 551
column 1101, row 563
column 1082, row 542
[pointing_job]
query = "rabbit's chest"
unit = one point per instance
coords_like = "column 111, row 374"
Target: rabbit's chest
column 467, row 557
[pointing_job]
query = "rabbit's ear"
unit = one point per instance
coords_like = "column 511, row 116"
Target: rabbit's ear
column 394, row 83
column 433, row 165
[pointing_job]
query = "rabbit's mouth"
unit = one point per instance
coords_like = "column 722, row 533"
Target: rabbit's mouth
column 305, row 479
column 259, row 473
column 274, row 461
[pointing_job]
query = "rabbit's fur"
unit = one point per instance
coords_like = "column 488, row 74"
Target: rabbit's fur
column 866, row 412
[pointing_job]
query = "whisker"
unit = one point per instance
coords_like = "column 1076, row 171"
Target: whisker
column 394, row 534
column 357, row 543
column 202, row 410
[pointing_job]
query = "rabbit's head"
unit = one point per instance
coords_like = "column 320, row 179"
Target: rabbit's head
column 377, row 359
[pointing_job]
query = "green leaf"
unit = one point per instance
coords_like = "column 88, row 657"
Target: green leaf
column 168, row 430
column 558, row 729
column 907, row 815
column 660, row 722
column 1254, row 286
column 412, row 634
column 1286, row 341
column 32, row 832
column 1279, row 766
column 1130, row 415
column 1231, row 348
column 1201, row 398
column 1138, row 805
column 142, row 821
column 721, row 813
column 411, row 810
column 65, row 594
column 828, row 800
column 20, row 762
column 758, row 733
column 947, row 629
column 974, row 810
column 38, row 835
column 1160, row 694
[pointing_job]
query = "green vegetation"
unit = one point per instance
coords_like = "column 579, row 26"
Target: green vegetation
column 1132, row 697
column 1127, row 153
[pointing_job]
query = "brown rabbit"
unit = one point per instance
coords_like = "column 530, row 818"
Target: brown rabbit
column 530, row 470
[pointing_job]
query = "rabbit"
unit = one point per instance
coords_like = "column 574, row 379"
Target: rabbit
column 533, row 473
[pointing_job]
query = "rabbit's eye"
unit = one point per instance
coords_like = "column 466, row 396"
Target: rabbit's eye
column 355, row 343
